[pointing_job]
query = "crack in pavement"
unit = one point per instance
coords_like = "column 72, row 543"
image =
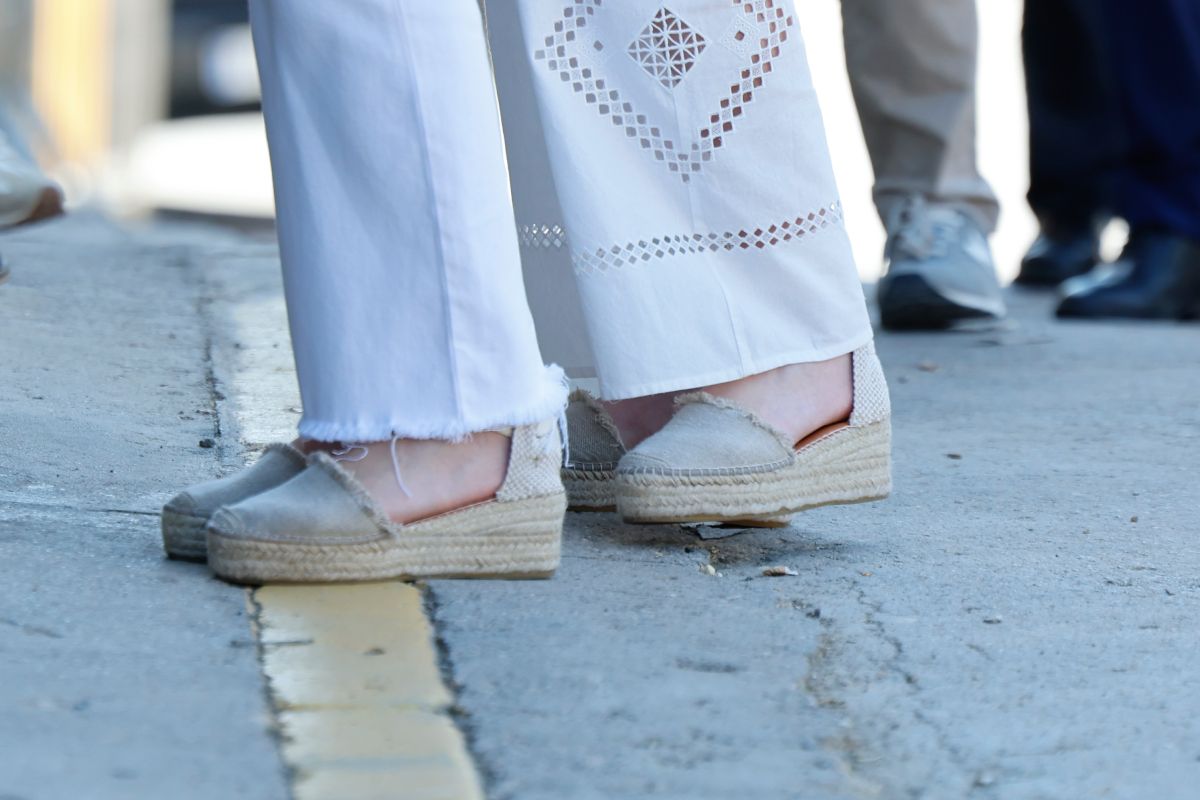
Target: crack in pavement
column 857, row 672
column 32, row 630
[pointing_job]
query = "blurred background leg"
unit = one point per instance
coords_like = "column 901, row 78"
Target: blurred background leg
column 1075, row 136
column 1156, row 58
column 1153, row 61
column 912, row 67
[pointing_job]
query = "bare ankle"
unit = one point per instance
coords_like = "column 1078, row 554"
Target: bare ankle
column 796, row 399
column 426, row 477
column 638, row 418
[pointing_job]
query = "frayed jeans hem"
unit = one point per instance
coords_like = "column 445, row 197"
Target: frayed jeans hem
column 549, row 404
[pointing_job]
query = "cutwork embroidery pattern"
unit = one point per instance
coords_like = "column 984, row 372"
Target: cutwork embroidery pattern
column 542, row 236
column 770, row 24
column 668, row 48
column 660, row 247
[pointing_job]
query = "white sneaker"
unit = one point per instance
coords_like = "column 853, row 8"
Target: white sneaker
column 939, row 270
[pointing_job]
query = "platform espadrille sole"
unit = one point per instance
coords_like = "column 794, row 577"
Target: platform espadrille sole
column 594, row 492
column 849, row 465
column 516, row 539
column 183, row 536
column 591, row 489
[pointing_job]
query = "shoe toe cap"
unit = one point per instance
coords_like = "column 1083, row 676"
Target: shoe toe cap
column 183, row 503
column 228, row 523
column 705, row 436
column 640, row 461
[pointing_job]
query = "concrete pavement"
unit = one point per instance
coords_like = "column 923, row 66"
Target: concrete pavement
column 121, row 674
column 1019, row 621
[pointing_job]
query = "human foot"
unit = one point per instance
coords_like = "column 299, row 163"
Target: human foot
column 417, row 478
column 590, row 473
column 745, row 450
column 797, row 399
column 640, row 417
column 332, row 522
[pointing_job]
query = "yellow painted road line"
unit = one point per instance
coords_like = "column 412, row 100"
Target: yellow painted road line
column 361, row 705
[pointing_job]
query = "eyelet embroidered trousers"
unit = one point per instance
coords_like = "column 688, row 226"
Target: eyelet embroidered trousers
column 679, row 152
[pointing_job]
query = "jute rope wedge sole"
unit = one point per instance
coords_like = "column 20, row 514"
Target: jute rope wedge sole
column 847, row 465
column 324, row 526
column 590, row 490
column 595, row 447
column 511, row 540
column 717, row 462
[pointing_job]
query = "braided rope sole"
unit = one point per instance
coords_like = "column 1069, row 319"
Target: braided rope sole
column 850, row 465
column 183, row 536
column 590, row 490
column 514, row 539
column 595, row 491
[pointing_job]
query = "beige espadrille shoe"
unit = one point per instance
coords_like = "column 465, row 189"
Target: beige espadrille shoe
column 715, row 461
column 323, row 526
column 187, row 513
column 594, row 448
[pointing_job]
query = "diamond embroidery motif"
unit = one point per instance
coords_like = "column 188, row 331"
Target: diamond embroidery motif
column 765, row 26
column 804, row 226
column 668, row 48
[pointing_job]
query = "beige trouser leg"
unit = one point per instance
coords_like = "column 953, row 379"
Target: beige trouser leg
column 912, row 66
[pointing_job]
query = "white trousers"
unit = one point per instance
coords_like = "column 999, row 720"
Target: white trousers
column 680, row 159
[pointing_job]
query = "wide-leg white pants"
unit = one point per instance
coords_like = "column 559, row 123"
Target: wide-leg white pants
column 691, row 188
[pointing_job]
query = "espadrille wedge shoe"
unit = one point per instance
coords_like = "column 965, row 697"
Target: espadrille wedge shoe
column 323, row 526
column 716, row 462
column 594, row 448
column 187, row 513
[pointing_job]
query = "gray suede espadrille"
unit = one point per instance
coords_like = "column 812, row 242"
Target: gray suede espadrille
column 594, row 448
column 323, row 526
column 184, row 517
column 715, row 461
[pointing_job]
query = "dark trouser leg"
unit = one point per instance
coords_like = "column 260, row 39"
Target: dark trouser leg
column 1156, row 54
column 1074, row 132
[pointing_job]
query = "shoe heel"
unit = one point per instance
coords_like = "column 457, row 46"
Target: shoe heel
column 853, row 465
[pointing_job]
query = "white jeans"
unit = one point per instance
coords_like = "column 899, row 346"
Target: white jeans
column 677, row 157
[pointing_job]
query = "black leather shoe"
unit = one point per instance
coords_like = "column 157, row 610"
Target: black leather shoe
column 1156, row 277
column 1056, row 256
